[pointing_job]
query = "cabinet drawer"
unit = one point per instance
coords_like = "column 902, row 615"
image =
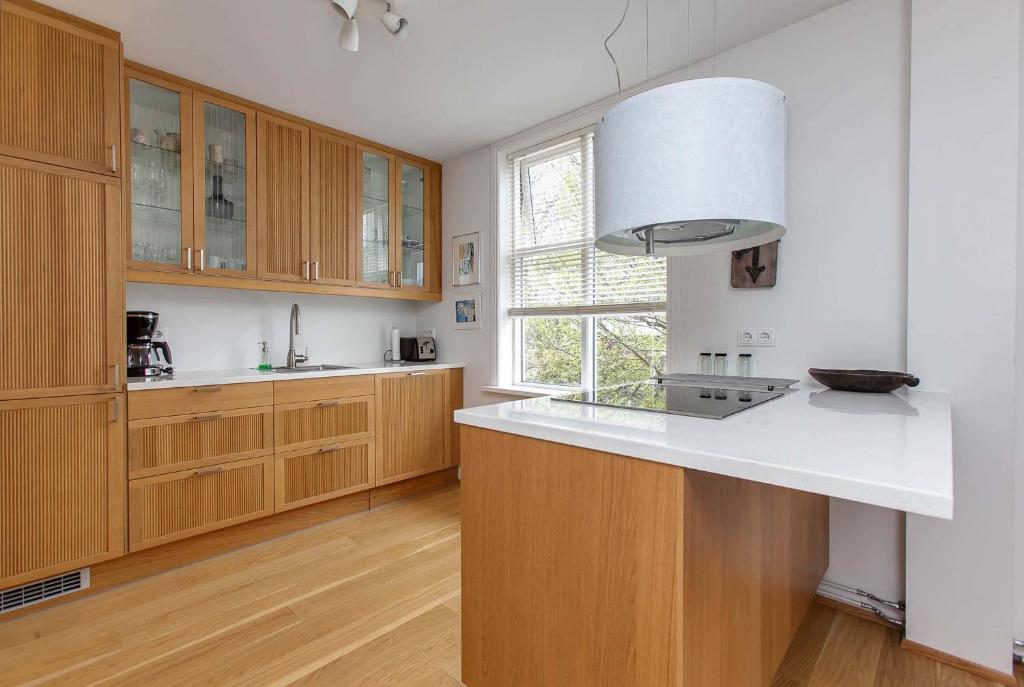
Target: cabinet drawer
column 181, row 504
column 304, row 477
column 167, row 444
column 297, row 390
column 198, row 399
column 313, row 423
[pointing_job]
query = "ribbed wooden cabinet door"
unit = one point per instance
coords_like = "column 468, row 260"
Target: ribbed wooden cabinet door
column 282, row 151
column 312, row 423
column 181, row 504
column 61, row 314
column 167, row 444
column 61, row 492
column 332, row 217
column 327, row 472
column 59, row 88
column 413, row 410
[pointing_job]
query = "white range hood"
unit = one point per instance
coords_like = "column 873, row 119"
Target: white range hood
column 691, row 168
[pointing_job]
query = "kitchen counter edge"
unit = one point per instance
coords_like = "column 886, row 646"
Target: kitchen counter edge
column 245, row 376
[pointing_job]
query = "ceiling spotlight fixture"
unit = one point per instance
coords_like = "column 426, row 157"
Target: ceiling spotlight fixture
column 349, row 28
column 394, row 22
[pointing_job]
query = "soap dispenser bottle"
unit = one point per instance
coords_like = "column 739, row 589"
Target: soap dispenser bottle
column 264, row 356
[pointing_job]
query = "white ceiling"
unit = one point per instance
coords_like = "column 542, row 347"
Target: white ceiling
column 469, row 73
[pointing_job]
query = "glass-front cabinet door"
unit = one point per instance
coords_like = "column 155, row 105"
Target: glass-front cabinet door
column 375, row 217
column 160, row 168
column 225, row 188
column 412, row 248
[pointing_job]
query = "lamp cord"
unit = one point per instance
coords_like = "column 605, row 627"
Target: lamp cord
column 618, row 79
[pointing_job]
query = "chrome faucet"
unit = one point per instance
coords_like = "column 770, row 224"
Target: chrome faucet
column 293, row 329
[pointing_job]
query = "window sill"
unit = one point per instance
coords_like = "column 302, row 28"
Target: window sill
column 520, row 391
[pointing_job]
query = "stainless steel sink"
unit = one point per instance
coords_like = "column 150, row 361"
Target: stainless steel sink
column 311, row 368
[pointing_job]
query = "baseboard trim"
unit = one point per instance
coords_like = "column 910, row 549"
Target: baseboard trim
column 855, row 611
column 963, row 664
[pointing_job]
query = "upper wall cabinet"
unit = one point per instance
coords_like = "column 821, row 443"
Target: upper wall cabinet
column 191, row 179
column 222, row 190
column 224, row 186
column 282, row 147
column 332, row 214
column 376, row 217
column 414, row 250
column 159, row 156
column 59, row 88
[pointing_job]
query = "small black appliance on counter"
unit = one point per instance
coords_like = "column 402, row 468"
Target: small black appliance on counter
column 146, row 357
column 418, row 349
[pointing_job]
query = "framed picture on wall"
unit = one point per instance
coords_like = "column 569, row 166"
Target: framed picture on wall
column 466, row 259
column 467, row 310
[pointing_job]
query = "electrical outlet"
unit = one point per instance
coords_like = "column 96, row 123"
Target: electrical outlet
column 745, row 337
column 764, row 336
column 432, row 333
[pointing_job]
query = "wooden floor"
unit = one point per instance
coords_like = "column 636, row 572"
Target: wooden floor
column 371, row 599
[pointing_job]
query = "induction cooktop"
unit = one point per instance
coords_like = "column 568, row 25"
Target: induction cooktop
column 674, row 399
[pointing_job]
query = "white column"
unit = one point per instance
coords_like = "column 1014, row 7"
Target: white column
column 963, row 205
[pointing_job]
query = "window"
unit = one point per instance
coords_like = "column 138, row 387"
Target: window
column 582, row 317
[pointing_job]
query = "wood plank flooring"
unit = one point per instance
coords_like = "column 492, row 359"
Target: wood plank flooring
column 370, row 599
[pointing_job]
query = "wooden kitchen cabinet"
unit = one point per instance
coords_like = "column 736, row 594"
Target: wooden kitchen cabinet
column 326, row 472
column 61, row 485
column 282, row 149
column 179, row 442
column 192, row 182
column 413, row 424
column 158, row 193
column 62, row 324
column 333, row 220
column 311, row 423
column 60, row 85
column 225, row 186
column 181, row 504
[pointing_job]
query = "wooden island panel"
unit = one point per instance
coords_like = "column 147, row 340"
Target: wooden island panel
column 582, row 567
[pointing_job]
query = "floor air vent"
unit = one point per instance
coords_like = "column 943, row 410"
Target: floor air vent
column 50, row 588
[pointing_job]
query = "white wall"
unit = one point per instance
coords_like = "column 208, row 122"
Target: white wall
column 213, row 329
column 842, row 280
column 841, row 292
column 964, row 188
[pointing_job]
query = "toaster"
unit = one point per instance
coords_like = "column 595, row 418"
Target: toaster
column 418, row 348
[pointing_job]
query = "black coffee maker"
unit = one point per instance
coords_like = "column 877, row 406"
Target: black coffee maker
column 146, row 357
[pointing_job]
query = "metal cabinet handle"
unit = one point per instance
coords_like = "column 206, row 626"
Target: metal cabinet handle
column 207, row 389
column 208, row 471
column 327, row 404
column 117, row 376
column 305, row 270
column 188, row 260
column 316, row 270
column 210, row 416
column 398, row 279
column 332, row 447
column 117, row 409
column 113, row 158
column 202, row 259
column 416, row 374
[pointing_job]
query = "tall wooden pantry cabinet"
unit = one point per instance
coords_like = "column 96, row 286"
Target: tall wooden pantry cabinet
column 61, row 294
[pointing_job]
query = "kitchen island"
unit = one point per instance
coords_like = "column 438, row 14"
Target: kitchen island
column 618, row 547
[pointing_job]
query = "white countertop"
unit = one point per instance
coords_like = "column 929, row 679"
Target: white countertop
column 242, row 376
column 890, row 450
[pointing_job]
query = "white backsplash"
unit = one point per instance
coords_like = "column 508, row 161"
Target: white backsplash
column 213, row 329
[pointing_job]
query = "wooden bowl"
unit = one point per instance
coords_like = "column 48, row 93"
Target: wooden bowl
column 868, row 381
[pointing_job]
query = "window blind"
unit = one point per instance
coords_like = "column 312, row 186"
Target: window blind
column 555, row 267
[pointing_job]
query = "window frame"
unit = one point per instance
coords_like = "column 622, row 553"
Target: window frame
column 508, row 340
